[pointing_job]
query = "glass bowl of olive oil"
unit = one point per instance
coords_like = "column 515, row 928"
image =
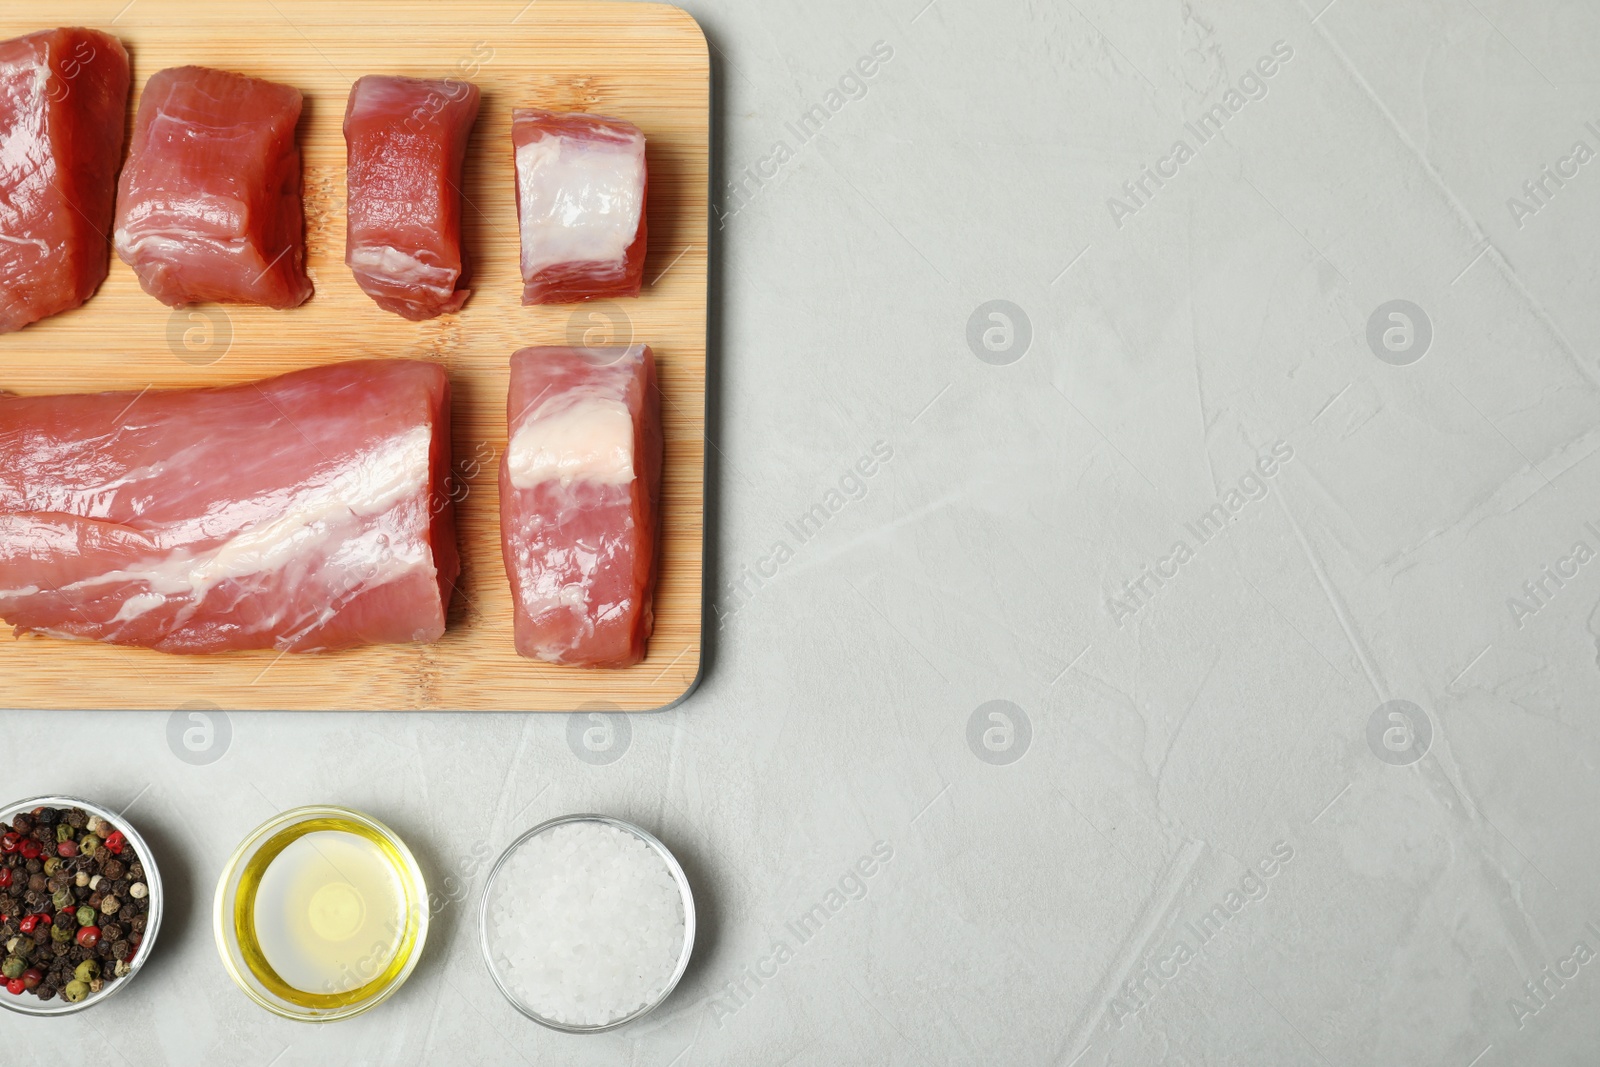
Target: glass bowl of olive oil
column 321, row 914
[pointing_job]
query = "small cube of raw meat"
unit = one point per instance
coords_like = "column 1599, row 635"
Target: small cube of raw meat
column 407, row 139
column 63, row 99
column 208, row 207
column 581, row 198
column 580, row 486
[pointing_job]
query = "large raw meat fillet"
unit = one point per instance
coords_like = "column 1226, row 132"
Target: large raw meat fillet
column 581, row 183
column 63, row 104
column 299, row 513
column 208, row 208
column 406, row 140
column 580, row 486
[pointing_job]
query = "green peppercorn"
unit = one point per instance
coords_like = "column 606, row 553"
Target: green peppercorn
column 89, row 845
column 60, row 933
column 76, row 991
column 87, row 971
column 86, row 916
column 52, row 865
column 23, row 951
column 63, row 833
column 13, row 966
column 62, row 897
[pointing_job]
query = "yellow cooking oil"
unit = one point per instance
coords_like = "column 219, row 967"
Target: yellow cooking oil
column 322, row 914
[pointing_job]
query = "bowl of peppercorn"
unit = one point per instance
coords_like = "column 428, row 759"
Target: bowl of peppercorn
column 80, row 904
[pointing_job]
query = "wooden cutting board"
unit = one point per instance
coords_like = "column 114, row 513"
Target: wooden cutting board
column 647, row 63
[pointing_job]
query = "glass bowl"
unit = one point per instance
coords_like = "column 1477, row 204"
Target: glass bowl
column 485, row 936
column 233, row 916
column 27, row 1003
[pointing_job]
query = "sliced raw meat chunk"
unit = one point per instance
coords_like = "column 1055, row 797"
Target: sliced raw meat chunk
column 300, row 513
column 208, row 207
column 63, row 104
column 406, row 139
column 580, row 486
column 581, row 197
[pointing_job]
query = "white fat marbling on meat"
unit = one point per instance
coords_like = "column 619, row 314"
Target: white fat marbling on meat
column 323, row 521
column 580, row 200
column 573, row 437
column 399, row 268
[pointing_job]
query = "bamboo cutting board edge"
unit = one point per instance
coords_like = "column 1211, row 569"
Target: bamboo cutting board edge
column 645, row 62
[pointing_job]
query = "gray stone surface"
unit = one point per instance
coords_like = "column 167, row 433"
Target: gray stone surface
column 1306, row 779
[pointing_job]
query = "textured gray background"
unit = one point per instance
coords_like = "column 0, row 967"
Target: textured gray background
column 1055, row 857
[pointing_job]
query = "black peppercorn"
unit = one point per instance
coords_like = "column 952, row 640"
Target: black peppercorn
column 76, row 818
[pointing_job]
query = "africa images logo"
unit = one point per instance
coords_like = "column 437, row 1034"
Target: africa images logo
column 1252, row 85
column 1254, row 484
column 1162, row 966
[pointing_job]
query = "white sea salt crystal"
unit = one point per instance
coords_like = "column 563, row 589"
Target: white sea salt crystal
column 586, row 924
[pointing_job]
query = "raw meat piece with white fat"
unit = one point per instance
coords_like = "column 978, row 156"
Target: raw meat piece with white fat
column 300, row 513
column 580, row 488
column 63, row 104
column 208, row 207
column 406, row 140
column 581, row 191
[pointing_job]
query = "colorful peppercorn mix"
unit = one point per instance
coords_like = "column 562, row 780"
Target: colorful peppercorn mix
column 73, row 904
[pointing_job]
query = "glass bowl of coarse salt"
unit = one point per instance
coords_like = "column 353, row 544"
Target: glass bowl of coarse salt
column 587, row 923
